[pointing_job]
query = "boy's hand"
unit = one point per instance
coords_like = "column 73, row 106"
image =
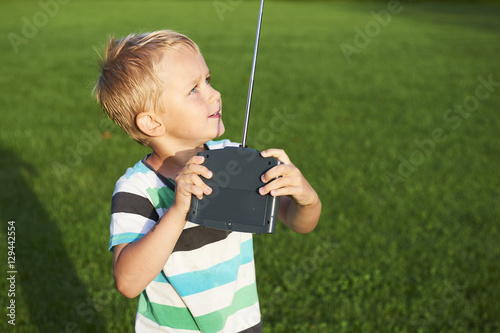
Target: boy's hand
column 188, row 182
column 300, row 214
column 291, row 182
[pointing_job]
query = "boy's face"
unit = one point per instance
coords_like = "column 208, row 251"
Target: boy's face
column 193, row 109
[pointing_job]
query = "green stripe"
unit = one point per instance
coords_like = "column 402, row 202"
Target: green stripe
column 165, row 315
column 161, row 197
column 215, row 321
column 181, row 318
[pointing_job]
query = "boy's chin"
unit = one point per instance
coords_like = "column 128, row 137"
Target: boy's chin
column 220, row 130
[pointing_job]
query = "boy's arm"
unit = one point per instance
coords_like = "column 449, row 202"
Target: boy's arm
column 300, row 206
column 136, row 264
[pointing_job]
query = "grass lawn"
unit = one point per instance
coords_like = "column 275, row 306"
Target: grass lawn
column 390, row 111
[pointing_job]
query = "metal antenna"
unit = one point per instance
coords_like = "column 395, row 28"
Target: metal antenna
column 250, row 86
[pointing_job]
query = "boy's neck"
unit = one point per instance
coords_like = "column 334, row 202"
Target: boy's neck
column 169, row 164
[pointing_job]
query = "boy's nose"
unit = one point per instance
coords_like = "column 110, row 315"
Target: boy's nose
column 214, row 96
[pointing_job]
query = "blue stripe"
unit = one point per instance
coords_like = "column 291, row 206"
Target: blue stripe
column 213, row 143
column 226, row 272
column 221, row 144
column 139, row 167
column 127, row 237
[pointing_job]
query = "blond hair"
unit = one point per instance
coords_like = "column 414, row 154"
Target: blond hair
column 129, row 82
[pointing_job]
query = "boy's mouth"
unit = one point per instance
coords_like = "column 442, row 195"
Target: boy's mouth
column 216, row 114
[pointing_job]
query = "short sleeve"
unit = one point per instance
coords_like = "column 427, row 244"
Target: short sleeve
column 134, row 210
column 132, row 216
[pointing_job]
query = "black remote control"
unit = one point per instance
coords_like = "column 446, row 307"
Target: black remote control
column 235, row 203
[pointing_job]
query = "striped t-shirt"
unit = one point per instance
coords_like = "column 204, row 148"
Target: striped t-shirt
column 208, row 283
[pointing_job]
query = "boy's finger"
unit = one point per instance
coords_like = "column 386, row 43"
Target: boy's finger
column 272, row 173
column 197, row 181
column 195, row 160
column 280, row 170
column 276, row 192
column 279, row 154
column 275, row 184
column 196, row 191
column 196, row 169
column 192, row 183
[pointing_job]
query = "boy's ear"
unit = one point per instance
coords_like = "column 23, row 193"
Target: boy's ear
column 149, row 124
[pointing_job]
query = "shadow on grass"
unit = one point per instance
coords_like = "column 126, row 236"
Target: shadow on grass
column 50, row 297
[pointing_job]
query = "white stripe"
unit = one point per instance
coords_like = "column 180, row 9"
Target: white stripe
column 133, row 223
column 137, row 183
column 164, row 293
column 206, row 256
column 190, row 225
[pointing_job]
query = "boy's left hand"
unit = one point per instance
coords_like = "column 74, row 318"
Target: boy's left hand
column 291, row 182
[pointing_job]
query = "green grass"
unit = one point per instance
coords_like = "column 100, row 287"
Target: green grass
column 417, row 254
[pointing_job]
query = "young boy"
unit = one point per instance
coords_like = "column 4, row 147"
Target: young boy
column 156, row 87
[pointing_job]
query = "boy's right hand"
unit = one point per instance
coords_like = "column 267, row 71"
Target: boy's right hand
column 188, row 182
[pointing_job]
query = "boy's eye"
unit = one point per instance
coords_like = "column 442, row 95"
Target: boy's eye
column 195, row 88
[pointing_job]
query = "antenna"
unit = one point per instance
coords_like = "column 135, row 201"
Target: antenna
column 250, row 86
